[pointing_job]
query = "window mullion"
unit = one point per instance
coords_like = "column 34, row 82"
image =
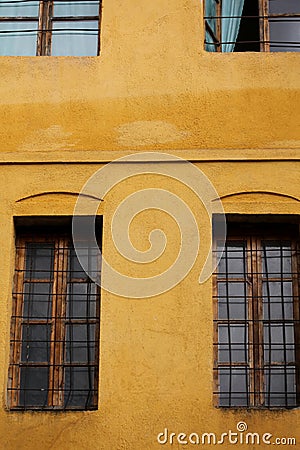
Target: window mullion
column 251, row 295
column 97, row 350
column 219, row 25
column 264, row 29
column 260, row 325
column 39, row 49
column 53, row 357
column 65, row 245
column 61, row 263
column 45, row 28
column 216, row 382
column 99, row 27
column 16, row 329
column 255, row 324
column 48, row 24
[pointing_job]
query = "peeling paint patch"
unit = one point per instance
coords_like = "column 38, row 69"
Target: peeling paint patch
column 47, row 139
column 149, row 133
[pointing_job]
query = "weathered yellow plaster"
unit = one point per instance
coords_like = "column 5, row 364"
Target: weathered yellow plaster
column 236, row 116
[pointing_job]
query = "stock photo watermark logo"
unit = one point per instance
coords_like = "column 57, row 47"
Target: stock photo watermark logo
column 120, row 170
column 241, row 435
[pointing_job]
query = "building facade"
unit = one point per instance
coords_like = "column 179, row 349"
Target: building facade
column 163, row 366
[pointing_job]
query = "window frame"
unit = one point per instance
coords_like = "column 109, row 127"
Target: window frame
column 251, row 235
column 263, row 19
column 58, row 322
column 45, row 20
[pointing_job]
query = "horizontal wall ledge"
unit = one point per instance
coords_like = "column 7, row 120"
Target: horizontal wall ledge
column 195, row 155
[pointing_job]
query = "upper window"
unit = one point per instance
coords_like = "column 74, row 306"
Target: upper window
column 252, row 25
column 55, row 326
column 256, row 309
column 47, row 27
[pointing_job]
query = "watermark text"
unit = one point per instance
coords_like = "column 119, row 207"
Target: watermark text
column 239, row 436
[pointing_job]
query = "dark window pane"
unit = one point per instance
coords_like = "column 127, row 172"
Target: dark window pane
column 36, row 343
column 279, row 354
column 33, row 386
column 75, row 38
column 81, row 300
column 90, row 260
column 39, row 261
column 80, row 343
column 233, row 343
column 278, row 331
column 76, row 8
column 75, row 268
column 232, row 333
column 232, row 263
column 18, row 38
column 37, row 300
column 279, row 343
column 284, row 35
column 80, row 387
column 248, row 35
column 278, row 300
column 233, row 386
column 280, row 385
column 284, row 6
column 14, row 8
column 277, row 260
column 232, row 301
column 234, row 353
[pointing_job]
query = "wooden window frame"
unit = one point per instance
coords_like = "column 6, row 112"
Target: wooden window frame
column 45, row 20
column 58, row 322
column 255, row 345
column 264, row 28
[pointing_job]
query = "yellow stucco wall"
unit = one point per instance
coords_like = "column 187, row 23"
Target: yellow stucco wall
column 235, row 116
column 153, row 87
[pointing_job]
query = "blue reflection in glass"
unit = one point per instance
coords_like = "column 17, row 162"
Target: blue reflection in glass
column 78, row 8
column 13, row 8
column 18, row 39
column 75, row 38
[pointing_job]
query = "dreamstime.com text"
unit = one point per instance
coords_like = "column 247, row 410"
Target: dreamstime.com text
column 238, row 436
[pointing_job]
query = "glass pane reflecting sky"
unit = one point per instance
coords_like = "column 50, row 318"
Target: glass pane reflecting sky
column 78, row 8
column 75, row 38
column 13, row 8
column 19, row 39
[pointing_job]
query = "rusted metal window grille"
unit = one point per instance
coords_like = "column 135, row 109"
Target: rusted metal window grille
column 264, row 25
column 44, row 28
column 256, row 326
column 55, row 327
